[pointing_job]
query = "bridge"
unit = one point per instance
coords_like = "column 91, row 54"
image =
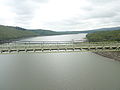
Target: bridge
column 58, row 46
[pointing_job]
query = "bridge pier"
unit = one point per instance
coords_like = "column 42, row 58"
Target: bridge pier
column 9, row 51
column 34, row 50
column 42, row 50
column 57, row 46
column 0, row 51
column 17, row 50
column 117, row 48
column 26, row 50
column 73, row 49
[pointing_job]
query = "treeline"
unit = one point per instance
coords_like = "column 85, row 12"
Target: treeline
column 10, row 33
column 102, row 36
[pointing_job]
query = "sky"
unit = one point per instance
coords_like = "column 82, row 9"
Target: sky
column 60, row 15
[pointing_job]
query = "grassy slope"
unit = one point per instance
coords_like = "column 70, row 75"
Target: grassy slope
column 7, row 33
column 42, row 32
column 104, row 36
column 49, row 32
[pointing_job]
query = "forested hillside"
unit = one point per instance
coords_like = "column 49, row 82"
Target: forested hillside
column 8, row 33
column 42, row 32
column 104, row 36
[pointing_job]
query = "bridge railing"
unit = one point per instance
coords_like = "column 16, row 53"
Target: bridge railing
column 55, row 44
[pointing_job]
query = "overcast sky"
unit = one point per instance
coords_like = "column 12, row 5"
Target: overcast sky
column 60, row 15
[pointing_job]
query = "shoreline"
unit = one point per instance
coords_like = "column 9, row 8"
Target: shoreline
column 18, row 39
column 12, row 40
column 115, row 55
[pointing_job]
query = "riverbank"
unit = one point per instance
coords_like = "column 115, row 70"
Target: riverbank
column 13, row 40
column 115, row 55
column 106, row 36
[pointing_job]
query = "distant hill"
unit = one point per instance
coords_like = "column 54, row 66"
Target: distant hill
column 42, row 32
column 102, row 36
column 101, row 29
column 49, row 32
column 10, row 33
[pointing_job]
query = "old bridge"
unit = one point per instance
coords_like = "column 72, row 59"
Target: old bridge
column 58, row 46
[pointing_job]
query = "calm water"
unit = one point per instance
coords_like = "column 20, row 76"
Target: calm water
column 58, row 71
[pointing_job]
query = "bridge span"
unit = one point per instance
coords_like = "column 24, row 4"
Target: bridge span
column 58, row 46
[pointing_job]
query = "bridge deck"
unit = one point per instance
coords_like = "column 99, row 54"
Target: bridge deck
column 57, row 46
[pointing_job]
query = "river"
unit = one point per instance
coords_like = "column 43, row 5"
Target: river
column 58, row 71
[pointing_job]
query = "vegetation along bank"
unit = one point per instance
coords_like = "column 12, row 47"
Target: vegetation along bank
column 10, row 33
column 106, row 36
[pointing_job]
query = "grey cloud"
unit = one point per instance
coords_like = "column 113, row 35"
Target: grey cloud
column 43, row 1
column 105, row 14
column 116, row 19
column 108, row 9
column 101, row 1
column 101, row 14
column 72, row 22
column 97, row 14
column 96, row 17
column 24, row 10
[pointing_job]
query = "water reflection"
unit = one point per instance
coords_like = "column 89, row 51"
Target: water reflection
column 58, row 38
column 58, row 71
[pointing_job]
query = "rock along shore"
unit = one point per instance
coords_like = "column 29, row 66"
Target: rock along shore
column 112, row 55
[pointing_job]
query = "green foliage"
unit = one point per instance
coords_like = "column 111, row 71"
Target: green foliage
column 11, row 33
column 8, row 33
column 104, row 36
column 42, row 32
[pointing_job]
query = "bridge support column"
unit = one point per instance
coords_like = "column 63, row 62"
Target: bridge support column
column 65, row 49
column 88, row 48
column 110, row 47
column 34, row 50
column 95, row 48
column 103, row 48
column 0, row 51
column 118, row 47
column 9, row 51
column 80, row 49
column 26, row 50
column 73, row 49
column 18, row 51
